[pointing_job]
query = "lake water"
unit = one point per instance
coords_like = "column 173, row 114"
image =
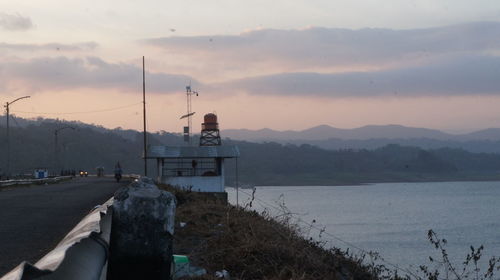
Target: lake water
column 393, row 218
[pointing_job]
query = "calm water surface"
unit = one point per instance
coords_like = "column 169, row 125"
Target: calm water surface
column 393, row 218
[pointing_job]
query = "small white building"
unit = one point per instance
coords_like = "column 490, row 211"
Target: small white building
column 199, row 168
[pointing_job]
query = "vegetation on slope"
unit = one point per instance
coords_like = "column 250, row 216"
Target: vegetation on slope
column 250, row 245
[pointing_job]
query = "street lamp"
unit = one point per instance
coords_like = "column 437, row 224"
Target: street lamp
column 7, row 104
column 56, row 156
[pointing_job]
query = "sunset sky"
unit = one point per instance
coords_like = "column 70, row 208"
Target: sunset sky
column 284, row 64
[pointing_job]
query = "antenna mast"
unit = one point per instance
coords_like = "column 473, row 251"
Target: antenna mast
column 189, row 114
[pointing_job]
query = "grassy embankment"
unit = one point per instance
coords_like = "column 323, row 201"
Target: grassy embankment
column 250, row 245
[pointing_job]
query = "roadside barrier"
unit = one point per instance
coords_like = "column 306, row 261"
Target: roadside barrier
column 81, row 255
column 20, row 182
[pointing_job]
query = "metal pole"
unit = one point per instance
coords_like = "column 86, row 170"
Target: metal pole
column 7, row 104
column 56, row 158
column 56, row 147
column 188, row 95
column 237, row 185
column 144, row 116
column 188, row 102
column 8, row 142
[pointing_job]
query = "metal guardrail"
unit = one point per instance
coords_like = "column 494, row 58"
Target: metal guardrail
column 20, row 182
column 84, row 254
column 81, row 255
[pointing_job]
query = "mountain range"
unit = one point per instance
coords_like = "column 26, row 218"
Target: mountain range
column 326, row 137
column 324, row 132
column 373, row 137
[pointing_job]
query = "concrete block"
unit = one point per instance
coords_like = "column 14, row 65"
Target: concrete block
column 142, row 232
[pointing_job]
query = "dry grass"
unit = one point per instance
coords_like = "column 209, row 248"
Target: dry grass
column 253, row 246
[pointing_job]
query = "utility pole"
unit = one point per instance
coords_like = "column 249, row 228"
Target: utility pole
column 7, row 110
column 144, row 115
column 8, row 141
column 188, row 95
column 237, row 186
column 56, row 148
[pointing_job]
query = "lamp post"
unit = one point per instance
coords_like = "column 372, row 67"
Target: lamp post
column 56, row 156
column 7, row 110
column 144, row 116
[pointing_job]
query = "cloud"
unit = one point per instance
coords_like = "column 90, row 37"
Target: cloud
column 337, row 48
column 63, row 73
column 15, row 22
column 465, row 76
column 331, row 62
column 476, row 75
column 84, row 46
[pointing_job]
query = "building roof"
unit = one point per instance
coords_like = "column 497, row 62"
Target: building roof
column 226, row 151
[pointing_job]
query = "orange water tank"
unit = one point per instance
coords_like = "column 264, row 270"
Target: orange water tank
column 210, row 118
column 210, row 122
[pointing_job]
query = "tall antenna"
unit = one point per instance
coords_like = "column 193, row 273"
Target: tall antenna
column 189, row 114
column 144, row 116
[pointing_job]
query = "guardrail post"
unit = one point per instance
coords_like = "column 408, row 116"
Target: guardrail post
column 142, row 232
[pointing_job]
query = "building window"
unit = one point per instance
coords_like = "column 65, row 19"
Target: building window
column 191, row 167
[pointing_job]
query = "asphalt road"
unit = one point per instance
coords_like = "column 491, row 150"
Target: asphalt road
column 34, row 219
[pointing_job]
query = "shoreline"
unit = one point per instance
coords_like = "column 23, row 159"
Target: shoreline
column 367, row 183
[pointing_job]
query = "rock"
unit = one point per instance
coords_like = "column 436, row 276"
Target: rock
column 142, row 232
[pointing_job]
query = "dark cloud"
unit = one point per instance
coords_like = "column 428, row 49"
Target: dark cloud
column 15, row 22
column 64, row 73
column 478, row 75
column 331, row 47
column 85, row 46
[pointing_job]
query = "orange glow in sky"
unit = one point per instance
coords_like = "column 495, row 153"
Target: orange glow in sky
column 257, row 64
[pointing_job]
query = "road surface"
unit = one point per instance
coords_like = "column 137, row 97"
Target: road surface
column 34, row 219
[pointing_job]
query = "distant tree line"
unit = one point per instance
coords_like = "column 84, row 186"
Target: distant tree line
column 89, row 146
column 287, row 164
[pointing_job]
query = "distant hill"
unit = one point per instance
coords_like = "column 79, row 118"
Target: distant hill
column 486, row 134
column 373, row 137
column 323, row 132
column 86, row 147
column 270, row 163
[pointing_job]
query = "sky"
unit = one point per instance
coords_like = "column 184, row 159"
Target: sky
column 284, row 64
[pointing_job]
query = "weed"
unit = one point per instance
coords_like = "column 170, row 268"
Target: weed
column 445, row 269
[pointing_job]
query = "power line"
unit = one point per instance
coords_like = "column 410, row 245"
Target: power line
column 333, row 236
column 81, row 112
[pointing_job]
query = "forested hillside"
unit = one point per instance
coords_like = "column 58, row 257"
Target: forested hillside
column 89, row 146
column 277, row 164
column 84, row 147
